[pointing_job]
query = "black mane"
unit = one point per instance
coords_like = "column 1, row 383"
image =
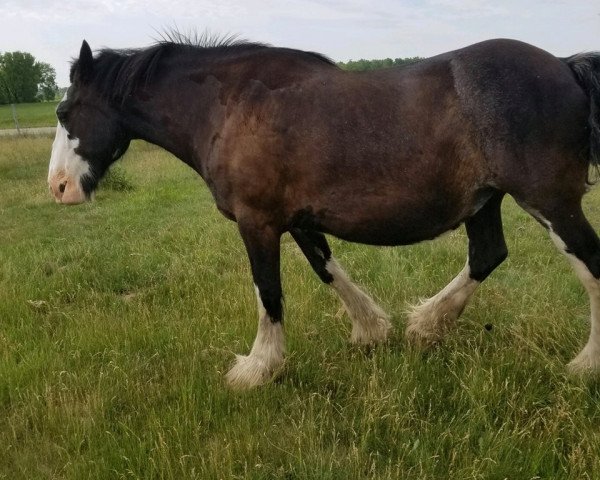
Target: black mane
column 118, row 72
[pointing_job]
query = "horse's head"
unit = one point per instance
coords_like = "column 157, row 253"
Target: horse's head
column 89, row 135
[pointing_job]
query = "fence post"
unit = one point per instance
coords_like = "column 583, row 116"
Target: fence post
column 15, row 119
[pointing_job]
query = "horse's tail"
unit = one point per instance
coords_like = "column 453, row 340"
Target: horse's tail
column 586, row 67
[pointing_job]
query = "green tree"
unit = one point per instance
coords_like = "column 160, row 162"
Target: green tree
column 362, row 64
column 3, row 97
column 19, row 76
column 47, row 88
column 23, row 79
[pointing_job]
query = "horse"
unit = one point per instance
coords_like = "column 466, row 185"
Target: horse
column 288, row 142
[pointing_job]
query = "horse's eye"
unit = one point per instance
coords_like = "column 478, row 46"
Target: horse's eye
column 62, row 114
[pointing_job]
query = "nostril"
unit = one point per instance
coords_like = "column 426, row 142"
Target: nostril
column 62, row 187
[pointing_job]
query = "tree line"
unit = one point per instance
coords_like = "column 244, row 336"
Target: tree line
column 362, row 64
column 24, row 79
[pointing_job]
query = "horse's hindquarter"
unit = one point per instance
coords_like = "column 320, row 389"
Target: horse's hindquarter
column 530, row 116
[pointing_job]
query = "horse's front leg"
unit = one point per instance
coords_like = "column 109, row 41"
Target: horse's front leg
column 267, row 353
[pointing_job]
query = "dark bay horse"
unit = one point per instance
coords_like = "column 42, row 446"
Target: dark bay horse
column 288, row 142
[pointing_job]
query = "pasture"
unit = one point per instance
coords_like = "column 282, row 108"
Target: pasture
column 118, row 319
column 39, row 114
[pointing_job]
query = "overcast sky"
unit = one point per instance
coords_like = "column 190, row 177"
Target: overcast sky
column 342, row 29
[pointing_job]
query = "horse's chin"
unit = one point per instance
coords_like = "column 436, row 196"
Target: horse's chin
column 74, row 200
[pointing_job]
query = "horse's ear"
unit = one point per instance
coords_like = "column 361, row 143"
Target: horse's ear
column 85, row 64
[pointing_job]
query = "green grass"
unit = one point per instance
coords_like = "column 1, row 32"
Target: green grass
column 118, row 319
column 41, row 114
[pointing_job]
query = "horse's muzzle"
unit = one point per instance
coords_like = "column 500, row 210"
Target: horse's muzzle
column 66, row 190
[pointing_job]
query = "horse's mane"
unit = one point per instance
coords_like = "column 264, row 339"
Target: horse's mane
column 118, row 72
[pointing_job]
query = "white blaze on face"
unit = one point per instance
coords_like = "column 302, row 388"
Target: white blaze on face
column 67, row 169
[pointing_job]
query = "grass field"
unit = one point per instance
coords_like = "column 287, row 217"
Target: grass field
column 118, row 319
column 29, row 115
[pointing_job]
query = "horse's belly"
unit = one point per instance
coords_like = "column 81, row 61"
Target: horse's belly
column 389, row 223
column 392, row 231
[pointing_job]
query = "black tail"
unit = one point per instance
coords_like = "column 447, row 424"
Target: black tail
column 586, row 67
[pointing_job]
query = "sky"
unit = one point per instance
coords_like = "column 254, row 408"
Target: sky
column 342, row 29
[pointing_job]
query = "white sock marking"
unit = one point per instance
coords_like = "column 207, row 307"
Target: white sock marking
column 370, row 324
column 265, row 357
column 589, row 358
column 429, row 321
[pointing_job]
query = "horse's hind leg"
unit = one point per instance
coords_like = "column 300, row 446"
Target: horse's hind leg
column 370, row 324
column 431, row 320
column 576, row 239
column 266, row 356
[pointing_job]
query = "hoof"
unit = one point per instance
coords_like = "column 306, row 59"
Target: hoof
column 425, row 328
column 586, row 363
column 249, row 372
column 421, row 338
column 372, row 332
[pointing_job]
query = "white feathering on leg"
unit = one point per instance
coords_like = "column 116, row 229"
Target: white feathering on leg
column 430, row 321
column 266, row 356
column 588, row 360
column 370, row 324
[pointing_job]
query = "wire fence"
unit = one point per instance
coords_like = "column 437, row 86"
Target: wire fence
column 24, row 116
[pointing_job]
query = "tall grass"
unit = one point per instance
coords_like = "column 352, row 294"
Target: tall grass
column 118, row 319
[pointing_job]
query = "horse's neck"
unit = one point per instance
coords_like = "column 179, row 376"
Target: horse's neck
column 181, row 119
column 145, row 123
